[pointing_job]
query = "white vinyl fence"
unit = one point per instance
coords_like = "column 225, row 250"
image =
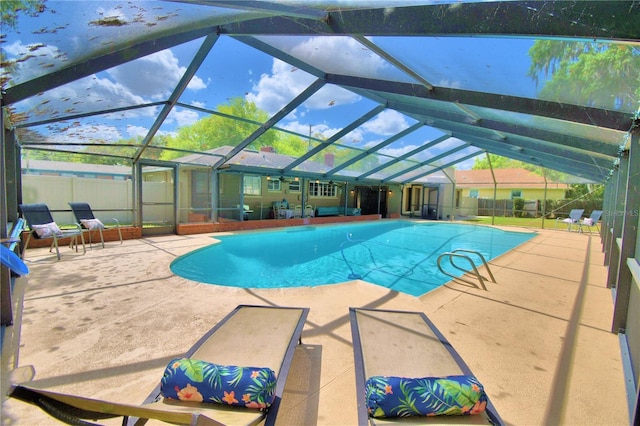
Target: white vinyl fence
column 108, row 198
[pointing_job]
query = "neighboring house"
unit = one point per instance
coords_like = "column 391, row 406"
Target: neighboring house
column 242, row 181
column 511, row 183
column 476, row 190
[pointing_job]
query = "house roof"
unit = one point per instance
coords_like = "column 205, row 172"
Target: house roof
column 249, row 161
column 505, row 178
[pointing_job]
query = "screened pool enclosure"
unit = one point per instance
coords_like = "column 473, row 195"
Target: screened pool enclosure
column 211, row 106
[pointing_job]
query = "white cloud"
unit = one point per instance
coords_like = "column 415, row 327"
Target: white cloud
column 388, row 122
column 273, row 91
column 330, row 96
column 154, row 76
column 31, row 59
column 396, row 152
column 354, row 136
column 90, row 133
column 183, row 116
column 322, row 131
column 340, row 55
column 137, row 131
column 141, row 132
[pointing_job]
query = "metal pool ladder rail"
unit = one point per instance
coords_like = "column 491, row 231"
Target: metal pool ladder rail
column 457, row 253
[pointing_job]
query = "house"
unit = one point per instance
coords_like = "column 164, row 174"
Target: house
column 510, row 184
column 476, row 191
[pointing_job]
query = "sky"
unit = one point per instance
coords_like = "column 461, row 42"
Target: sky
column 233, row 69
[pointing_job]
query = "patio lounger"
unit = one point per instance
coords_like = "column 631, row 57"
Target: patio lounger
column 42, row 226
column 591, row 221
column 251, row 336
column 87, row 219
column 407, row 347
column 573, row 219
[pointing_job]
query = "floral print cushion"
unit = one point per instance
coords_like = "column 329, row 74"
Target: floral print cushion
column 428, row 396
column 188, row 379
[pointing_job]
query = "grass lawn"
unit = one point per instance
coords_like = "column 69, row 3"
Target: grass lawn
column 524, row 222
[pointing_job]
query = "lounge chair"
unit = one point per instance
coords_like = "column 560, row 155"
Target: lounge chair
column 574, row 218
column 84, row 215
column 405, row 348
column 42, row 226
column 309, row 211
column 235, row 341
column 591, row 221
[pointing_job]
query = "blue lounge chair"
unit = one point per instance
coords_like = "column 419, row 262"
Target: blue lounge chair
column 235, row 341
column 42, row 226
column 591, row 221
column 574, row 218
column 397, row 356
column 87, row 220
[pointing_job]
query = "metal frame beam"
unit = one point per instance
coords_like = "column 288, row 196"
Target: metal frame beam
column 308, row 92
column 567, row 20
column 609, row 119
column 323, row 145
column 198, row 59
column 405, row 156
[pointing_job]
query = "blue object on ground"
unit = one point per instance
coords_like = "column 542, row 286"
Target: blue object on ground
column 12, row 261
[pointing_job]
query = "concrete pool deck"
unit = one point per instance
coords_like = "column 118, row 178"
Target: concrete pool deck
column 105, row 324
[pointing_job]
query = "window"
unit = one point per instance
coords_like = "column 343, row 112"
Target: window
column 273, row 185
column 294, row 186
column 252, row 185
column 473, row 193
column 516, row 193
column 322, row 189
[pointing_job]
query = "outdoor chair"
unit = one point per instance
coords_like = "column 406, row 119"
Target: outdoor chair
column 309, row 211
column 405, row 367
column 84, row 215
column 574, row 218
column 42, row 226
column 591, row 221
column 227, row 378
column 297, row 210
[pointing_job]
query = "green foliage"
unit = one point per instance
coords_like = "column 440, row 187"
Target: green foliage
column 9, row 10
column 219, row 130
column 585, row 192
column 499, row 162
column 518, row 207
column 599, row 74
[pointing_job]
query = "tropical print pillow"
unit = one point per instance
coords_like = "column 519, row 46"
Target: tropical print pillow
column 427, row 396
column 187, row 379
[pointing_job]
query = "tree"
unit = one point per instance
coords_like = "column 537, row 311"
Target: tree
column 9, row 10
column 499, row 162
column 216, row 130
column 604, row 75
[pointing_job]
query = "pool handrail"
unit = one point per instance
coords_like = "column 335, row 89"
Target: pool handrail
column 455, row 253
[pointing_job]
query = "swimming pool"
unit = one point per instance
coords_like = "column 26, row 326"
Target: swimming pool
column 400, row 255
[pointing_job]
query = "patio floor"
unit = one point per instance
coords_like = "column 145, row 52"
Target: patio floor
column 105, row 324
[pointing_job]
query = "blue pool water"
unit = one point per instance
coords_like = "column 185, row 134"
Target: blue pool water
column 399, row 255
